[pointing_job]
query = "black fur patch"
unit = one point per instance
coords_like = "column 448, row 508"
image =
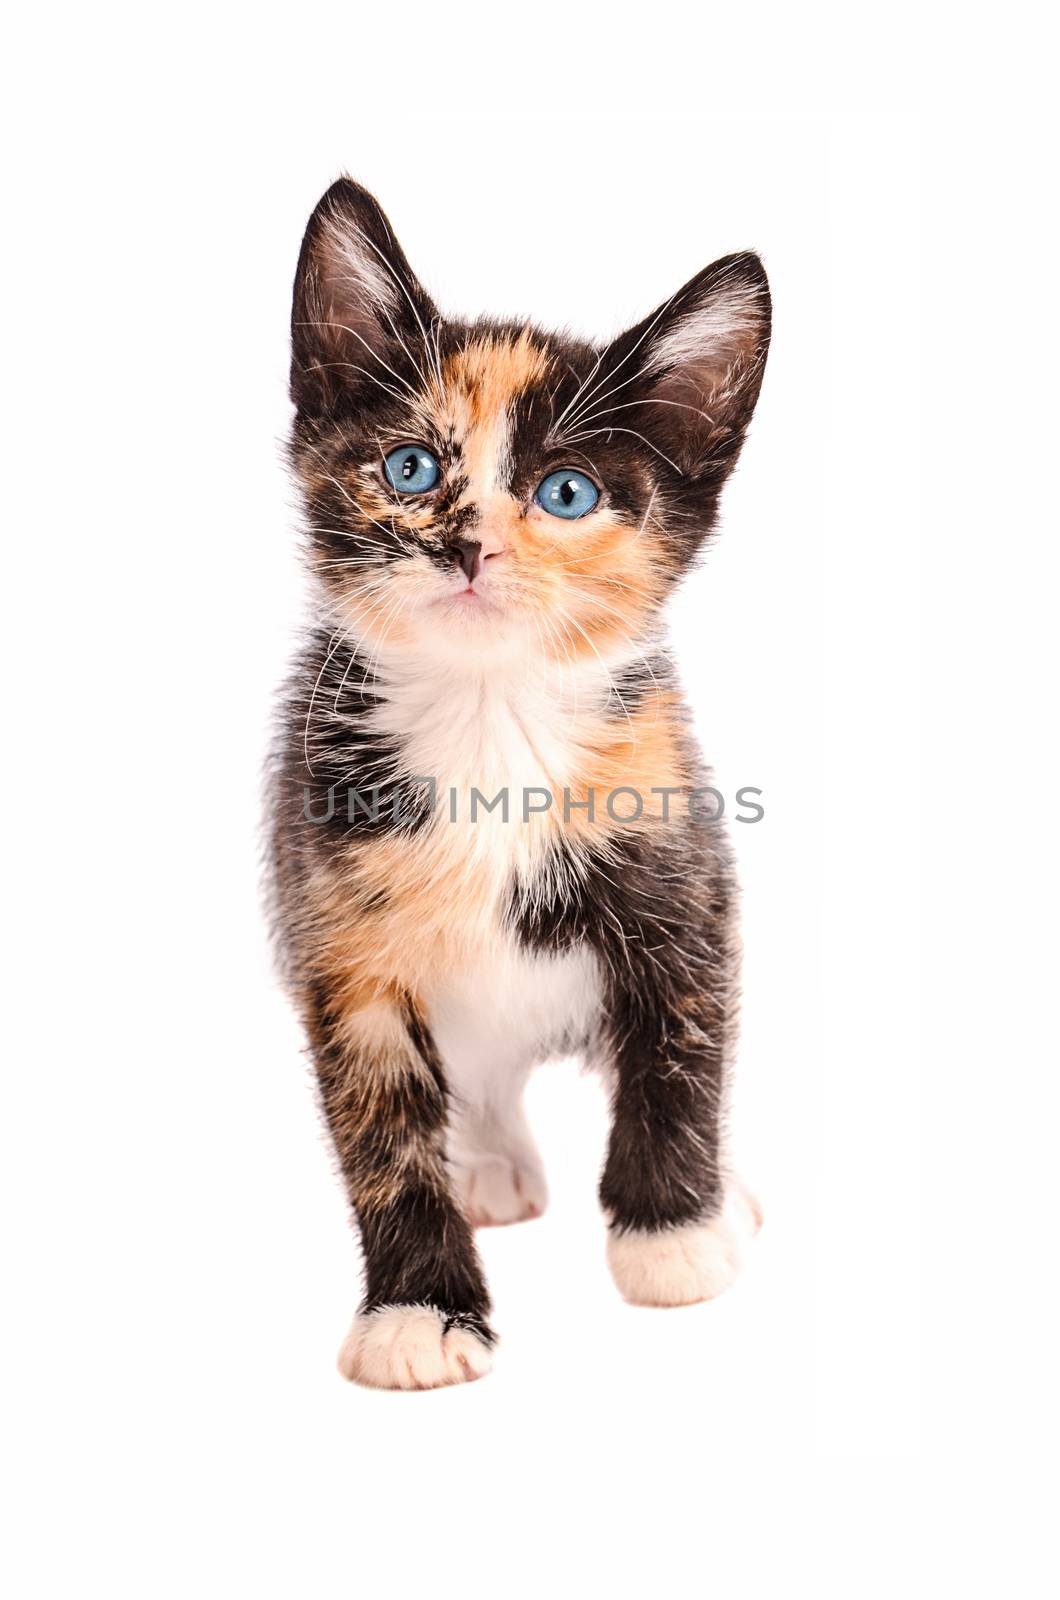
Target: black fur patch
column 340, row 772
column 421, row 1251
column 418, row 1247
column 656, row 910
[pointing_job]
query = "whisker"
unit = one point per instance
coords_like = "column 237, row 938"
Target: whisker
column 614, row 687
column 630, row 405
column 619, row 365
column 332, row 647
column 634, row 434
column 373, row 353
column 399, row 280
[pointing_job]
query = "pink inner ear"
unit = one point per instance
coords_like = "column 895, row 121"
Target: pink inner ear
column 707, row 350
column 354, row 295
column 704, row 365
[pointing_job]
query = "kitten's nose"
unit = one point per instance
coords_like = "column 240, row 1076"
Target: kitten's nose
column 468, row 554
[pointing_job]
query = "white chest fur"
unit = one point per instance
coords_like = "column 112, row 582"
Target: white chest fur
column 487, row 730
column 493, row 732
column 500, row 748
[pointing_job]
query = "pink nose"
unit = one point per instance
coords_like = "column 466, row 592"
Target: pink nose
column 468, row 554
column 472, row 554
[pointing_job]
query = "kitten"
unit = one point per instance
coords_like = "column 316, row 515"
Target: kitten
column 487, row 844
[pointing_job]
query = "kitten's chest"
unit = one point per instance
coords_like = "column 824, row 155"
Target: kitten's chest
column 498, row 757
column 498, row 753
column 521, row 774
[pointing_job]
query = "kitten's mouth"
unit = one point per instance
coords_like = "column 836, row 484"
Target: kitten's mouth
column 469, row 601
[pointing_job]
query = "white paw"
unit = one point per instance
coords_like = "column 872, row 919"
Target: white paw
column 494, row 1191
column 679, row 1266
column 407, row 1347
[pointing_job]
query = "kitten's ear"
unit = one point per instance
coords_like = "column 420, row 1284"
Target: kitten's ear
column 358, row 308
column 696, row 366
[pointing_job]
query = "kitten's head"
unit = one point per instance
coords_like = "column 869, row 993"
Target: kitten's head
column 486, row 487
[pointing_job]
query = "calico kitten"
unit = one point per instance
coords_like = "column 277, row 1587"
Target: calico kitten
column 487, row 842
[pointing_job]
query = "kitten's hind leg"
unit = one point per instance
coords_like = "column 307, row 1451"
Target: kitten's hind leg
column 497, row 1170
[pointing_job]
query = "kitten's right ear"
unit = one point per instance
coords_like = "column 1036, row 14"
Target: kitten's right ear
column 360, row 317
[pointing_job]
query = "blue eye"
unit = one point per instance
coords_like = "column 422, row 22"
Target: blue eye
column 411, row 469
column 567, row 493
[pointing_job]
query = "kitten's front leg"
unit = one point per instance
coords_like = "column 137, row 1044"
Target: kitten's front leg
column 678, row 1222
column 423, row 1321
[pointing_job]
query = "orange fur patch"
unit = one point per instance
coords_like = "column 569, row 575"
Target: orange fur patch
column 490, row 373
column 641, row 754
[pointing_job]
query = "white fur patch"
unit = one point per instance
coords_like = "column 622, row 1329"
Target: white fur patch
column 506, row 1011
column 495, row 1191
column 407, row 1347
column 493, row 1023
column 720, row 327
column 362, row 271
column 680, row 1266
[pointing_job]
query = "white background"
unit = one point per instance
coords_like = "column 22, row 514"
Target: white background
column 180, row 1268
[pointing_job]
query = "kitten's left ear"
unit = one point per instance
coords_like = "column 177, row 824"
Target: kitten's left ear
column 694, row 367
